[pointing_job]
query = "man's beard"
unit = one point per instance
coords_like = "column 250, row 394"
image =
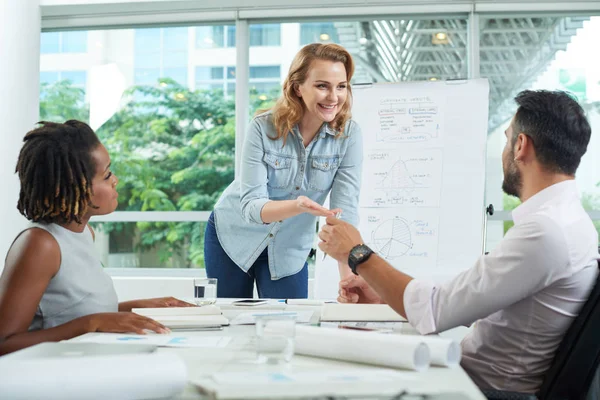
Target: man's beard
column 511, row 185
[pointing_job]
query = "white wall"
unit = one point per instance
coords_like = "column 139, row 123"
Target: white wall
column 19, row 98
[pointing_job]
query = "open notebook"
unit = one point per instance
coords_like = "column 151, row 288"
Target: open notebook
column 359, row 312
column 185, row 317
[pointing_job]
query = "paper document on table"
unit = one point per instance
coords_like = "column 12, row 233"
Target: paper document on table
column 361, row 374
column 179, row 311
column 185, row 317
column 249, row 318
column 157, row 340
column 348, row 382
column 390, row 327
column 360, row 312
column 74, row 377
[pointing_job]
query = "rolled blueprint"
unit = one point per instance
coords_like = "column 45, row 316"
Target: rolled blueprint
column 444, row 352
column 396, row 351
column 127, row 376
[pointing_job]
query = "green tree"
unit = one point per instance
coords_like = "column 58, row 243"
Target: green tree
column 509, row 204
column 172, row 150
column 61, row 101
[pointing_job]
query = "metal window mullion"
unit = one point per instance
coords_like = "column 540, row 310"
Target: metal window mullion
column 242, row 95
column 474, row 45
column 154, row 216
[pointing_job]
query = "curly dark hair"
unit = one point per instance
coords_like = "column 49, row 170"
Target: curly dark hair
column 556, row 124
column 56, row 169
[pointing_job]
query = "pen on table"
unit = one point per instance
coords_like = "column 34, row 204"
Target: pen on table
column 337, row 215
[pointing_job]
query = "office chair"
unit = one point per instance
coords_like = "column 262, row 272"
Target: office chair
column 574, row 373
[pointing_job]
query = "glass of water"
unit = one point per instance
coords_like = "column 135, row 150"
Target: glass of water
column 275, row 337
column 205, row 291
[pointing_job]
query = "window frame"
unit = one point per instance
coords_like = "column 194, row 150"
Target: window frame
column 61, row 16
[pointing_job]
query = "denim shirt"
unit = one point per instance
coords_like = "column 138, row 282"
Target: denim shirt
column 273, row 171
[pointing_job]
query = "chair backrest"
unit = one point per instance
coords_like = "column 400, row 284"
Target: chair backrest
column 578, row 356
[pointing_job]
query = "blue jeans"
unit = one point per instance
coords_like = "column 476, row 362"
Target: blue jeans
column 234, row 282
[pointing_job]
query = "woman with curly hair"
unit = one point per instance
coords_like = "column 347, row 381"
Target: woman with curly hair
column 294, row 155
column 53, row 286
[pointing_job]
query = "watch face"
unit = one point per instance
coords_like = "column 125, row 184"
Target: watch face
column 359, row 252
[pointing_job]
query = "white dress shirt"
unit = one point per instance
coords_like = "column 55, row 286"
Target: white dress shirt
column 524, row 294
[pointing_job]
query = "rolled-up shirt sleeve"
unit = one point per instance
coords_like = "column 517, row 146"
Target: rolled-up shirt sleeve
column 532, row 256
column 418, row 304
column 253, row 182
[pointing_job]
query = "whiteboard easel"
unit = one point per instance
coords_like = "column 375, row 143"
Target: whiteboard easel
column 423, row 183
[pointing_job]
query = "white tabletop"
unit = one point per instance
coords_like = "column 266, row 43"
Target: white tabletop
column 239, row 356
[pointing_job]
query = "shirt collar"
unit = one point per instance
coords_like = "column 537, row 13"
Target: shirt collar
column 328, row 129
column 323, row 131
column 552, row 194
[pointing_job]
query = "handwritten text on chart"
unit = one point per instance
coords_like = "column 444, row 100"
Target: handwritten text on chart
column 393, row 178
column 409, row 120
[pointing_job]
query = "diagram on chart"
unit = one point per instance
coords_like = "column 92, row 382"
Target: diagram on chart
column 393, row 178
column 392, row 238
column 410, row 120
column 405, row 239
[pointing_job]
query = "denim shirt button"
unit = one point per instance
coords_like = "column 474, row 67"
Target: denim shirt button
column 297, row 187
column 270, row 235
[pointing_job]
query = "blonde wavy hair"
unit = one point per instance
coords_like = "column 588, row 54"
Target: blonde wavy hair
column 289, row 109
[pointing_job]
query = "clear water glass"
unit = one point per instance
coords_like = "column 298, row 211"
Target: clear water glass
column 205, row 291
column 275, row 335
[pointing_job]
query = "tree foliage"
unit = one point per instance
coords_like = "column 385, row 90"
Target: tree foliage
column 172, row 149
column 62, row 101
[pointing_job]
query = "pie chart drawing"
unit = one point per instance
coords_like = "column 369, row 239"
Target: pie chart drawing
column 392, row 238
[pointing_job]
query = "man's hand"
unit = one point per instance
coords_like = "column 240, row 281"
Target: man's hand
column 338, row 238
column 355, row 290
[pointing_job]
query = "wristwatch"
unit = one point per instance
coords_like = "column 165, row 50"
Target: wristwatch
column 358, row 255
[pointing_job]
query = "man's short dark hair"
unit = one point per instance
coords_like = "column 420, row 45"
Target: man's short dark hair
column 557, row 125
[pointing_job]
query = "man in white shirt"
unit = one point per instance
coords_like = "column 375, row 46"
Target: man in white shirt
column 527, row 291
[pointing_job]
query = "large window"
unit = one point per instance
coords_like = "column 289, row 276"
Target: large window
column 391, row 50
column 171, row 145
column 166, row 112
column 63, row 42
column 265, row 35
column 209, row 37
column 262, row 35
column 161, row 53
column 314, row 32
column 263, row 79
column 75, row 78
column 539, row 52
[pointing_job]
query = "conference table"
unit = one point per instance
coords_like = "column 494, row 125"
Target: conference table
column 238, row 361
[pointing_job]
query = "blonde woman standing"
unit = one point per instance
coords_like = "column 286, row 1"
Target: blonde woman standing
column 294, row 155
